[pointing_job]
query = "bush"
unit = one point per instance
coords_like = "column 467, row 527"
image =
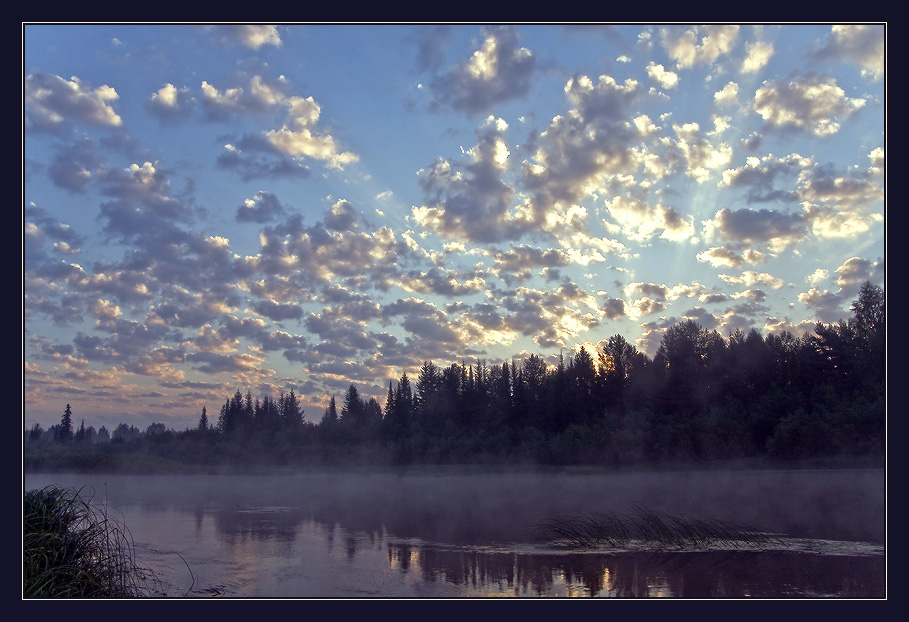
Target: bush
column 73, row 549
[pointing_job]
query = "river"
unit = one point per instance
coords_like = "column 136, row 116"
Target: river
column 476, row 534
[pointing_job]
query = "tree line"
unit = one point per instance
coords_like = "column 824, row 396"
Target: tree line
column 701, row 397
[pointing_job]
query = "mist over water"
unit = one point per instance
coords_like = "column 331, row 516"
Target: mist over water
column 446, row 533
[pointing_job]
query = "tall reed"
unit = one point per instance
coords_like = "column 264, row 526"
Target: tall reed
column 72, row 548
column 651, row 527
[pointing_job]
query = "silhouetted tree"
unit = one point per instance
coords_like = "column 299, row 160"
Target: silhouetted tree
column 353, row 408
column 291, row 415
column 36, row 432
column 203, row 421
column 64, row 433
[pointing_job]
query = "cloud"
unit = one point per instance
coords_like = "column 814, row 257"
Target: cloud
column 75, row 165
column 262, row 208
column 759, row 177
column 698, row 44
column 777, row 230
column 297, row 138
column 702, row 156
column 430, row 41
column 750, row 277
column 807, row 103
column 862, row 45
column 278, row 311
column 498, row 71
column 666, row 79
column 252, row 36
column 855, row 271
column 41, row 233
column 520, row 260
column 143, row 207
column 52, row 104
column 473, row 203
column 253, row 95
column 258, row 159
column 170, row 104
column 722, row 257
column 638, row 220
column 341, row 216
column 727, row 95
column 759, row 54
column 844, row 188
column 272, row 153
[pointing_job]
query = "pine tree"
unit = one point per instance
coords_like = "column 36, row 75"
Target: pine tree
column 36, row 432
column 331, row 413
column 65, row 431
column 203, row 420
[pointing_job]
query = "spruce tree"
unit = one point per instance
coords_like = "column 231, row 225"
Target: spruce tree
column 65, row 431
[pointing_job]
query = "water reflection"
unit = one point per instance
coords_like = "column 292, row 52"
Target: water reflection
column 328, row 535
column 534, row 571
column 718, row 574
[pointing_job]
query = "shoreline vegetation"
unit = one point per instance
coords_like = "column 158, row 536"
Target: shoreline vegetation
column 73, row 548
column 702, row 401
column 131, row 463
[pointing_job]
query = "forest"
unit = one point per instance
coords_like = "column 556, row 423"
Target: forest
column 701, row 398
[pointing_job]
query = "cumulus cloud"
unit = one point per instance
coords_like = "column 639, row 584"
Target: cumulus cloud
column 75, row 165
column 473, row 203
column 722, row 257
column 255, row 158
column 759, row 54
column 638, row 220
column 42, row 233
column 775, row 229
column 299, row 136
column 750, row 277
column 760, row 177
column 698, row 44
column 807, row 103
column 855, row 271
column 170, row 104
column 273, row 153
column 702, row 155
column 430, row 41
column 859, row 44
column 252, row 36
column 666, row 79
column 341, row 216
column 262, row 208
column 53, row 104
column 727, row 95
column 498, row 71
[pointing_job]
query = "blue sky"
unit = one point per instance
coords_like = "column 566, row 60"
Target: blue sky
column 209, row 208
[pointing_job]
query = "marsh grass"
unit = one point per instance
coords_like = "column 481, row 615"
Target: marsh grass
column 72, row 548
column 650, row 527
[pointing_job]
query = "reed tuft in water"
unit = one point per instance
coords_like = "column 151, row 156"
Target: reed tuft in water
column 650, row 527
column 74, row 549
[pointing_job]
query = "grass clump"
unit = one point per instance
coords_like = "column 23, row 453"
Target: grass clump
column 651, row 527
column 74, row 549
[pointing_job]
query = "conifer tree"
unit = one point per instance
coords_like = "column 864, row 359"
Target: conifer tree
column 65, row 431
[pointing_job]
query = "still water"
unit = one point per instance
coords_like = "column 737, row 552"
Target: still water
column 424, row 534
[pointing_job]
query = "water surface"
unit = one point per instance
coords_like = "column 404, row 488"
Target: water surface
column 420, row 534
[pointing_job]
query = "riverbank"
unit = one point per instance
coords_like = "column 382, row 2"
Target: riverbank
column 144, row 463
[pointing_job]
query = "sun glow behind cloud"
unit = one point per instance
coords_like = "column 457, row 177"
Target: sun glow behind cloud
column 216, row 208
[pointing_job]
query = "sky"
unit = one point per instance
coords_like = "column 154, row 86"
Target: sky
column 213, row 208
